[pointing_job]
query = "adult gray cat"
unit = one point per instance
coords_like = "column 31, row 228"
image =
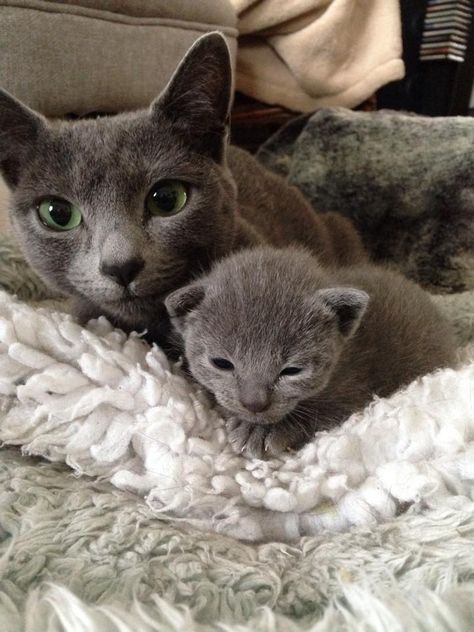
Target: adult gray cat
column 288, row 347
column 120, row 210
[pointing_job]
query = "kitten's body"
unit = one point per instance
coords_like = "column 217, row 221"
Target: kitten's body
column 107, row 168
column 354, row 333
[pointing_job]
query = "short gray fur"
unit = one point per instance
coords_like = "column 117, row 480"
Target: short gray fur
column 354, row 333
column 107, row 166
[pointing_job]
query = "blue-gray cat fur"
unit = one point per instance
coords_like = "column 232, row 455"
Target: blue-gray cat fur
column 106, row 167
column 350, row 333
column 406, row 181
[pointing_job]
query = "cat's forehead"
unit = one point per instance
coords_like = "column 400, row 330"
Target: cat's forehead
column 119, row 155
column 113, row 140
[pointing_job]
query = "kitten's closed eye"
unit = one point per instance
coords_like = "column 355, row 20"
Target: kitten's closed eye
column 222, row 364
column 290, row 370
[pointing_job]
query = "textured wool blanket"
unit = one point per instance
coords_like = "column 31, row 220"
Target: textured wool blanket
column 114, row 410
column 306, row 54
column 406, row 181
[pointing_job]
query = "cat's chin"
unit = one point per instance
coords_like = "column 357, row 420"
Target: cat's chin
column 131, row 306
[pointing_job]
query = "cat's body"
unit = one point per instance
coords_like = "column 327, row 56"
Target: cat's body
column 307, row 346
column 269, row 211
column 116, row 252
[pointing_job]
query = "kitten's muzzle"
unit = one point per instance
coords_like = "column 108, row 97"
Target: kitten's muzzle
column 124, row 272
column 255, row 400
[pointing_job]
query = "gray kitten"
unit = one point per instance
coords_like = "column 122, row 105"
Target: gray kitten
column 120, row 210
column 288, row 347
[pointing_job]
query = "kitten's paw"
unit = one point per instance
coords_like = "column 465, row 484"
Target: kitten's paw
column 247, row 439
column 277, row 440
column 256, row 441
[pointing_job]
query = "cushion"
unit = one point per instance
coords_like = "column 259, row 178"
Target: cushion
column 83, row 56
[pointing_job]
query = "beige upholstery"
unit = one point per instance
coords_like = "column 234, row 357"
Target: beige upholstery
column 84, row 56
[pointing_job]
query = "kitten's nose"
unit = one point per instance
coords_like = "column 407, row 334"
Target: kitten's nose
column 255, row 400
column 124, row 272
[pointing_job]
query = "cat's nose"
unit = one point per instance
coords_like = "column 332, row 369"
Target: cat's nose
column 124, row 272
column 256, row 401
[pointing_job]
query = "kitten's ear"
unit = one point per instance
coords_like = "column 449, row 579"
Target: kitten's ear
column 19, row 127
column 181, row 302
column 349, row 306
column 198, row 96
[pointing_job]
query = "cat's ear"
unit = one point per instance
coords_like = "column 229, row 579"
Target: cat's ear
column 348, row 305
column 181, row 302
column 19, row 128
column 198, row 96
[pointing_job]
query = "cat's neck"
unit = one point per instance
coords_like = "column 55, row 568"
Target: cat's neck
column 245, row 235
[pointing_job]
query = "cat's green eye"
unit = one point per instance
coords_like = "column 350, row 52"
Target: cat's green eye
column 59, row 214
column 166, row 198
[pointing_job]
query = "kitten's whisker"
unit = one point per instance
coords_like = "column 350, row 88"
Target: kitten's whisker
column 307, row 432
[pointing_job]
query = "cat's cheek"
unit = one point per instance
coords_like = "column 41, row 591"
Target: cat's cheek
column 49, row 258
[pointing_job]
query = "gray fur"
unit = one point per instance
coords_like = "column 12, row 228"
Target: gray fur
column 107, row 166
column 355, row 333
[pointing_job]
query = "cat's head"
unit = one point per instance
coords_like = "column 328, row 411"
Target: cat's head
column 117, row 209
column 262, row 332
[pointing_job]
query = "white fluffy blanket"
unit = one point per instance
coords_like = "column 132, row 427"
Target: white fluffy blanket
column 110, row 406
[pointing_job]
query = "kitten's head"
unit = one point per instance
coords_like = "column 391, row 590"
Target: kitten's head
column 117, row 209
column 263, row 331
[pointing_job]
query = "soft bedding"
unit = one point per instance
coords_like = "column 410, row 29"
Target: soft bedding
column 406, row 181
column 80, row 551
column 139, row 521
column 109, row 405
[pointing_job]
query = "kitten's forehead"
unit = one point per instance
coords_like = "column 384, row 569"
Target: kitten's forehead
column 261, row 300
column 257, row 324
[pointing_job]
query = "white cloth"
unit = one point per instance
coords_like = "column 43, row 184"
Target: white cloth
column 110, row 406
column 307, row 54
